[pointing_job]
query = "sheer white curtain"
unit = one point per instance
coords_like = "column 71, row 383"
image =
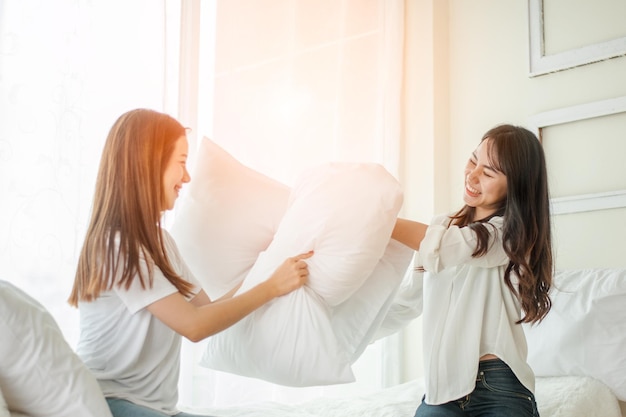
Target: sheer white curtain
column 68, row 69
column 286, row 84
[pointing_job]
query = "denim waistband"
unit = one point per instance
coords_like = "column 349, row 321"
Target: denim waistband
column 491, row 364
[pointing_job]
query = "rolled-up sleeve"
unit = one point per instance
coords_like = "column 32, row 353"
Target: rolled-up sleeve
column 446, row 246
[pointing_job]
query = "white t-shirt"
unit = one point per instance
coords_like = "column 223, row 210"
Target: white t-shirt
column 468, row 311
column 132, row 354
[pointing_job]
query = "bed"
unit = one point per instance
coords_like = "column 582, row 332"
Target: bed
column 568, row 396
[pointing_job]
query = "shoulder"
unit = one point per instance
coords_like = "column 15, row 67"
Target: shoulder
column 441, row 220
column 444, row 220
column 167, row 237
column 170, row 244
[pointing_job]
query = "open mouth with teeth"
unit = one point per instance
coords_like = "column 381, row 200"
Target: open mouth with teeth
column 471, row 191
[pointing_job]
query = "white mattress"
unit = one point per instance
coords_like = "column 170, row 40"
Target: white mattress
column 570, row 396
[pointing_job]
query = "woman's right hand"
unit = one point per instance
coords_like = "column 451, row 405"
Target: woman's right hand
column 290, row 275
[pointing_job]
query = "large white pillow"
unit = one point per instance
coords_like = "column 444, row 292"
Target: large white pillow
column 407, row 303
column 362, row 316
column 585, row 332
column 345, row 213
column 299, row 340
column 40, row 375
column 228, row 215
column 289, row 341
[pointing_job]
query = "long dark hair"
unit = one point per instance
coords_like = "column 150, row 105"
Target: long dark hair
column 526, row 235
column 127, row 205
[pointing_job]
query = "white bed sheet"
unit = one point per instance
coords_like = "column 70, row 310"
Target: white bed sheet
column 569, row 396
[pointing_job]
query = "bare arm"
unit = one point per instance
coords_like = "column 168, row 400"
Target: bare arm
column 202, row 297
column 202, row 318
column 409, row 232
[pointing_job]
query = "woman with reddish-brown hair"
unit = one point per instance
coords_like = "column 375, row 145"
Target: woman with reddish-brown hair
column 488, row 268
column 135, row 294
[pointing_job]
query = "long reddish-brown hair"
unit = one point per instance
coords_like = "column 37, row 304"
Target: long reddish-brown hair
column 526, row 235
column 127, row 207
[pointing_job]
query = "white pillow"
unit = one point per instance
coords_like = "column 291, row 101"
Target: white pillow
column 345, row 212
column 40, row 375
column 228, row 215
column 360, row 318
column 298, row 340
column 585, row 332
column 288, row 341
column 407, row 303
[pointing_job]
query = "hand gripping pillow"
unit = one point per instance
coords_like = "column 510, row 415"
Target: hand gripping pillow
column 227, row 217
column 345, row 212
column 40, row 375
column 585, row 331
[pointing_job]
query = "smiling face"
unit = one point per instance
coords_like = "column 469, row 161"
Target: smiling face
column 175, row 174
column 485, row 185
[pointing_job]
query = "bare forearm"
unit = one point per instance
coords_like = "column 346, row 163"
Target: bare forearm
column 230, row 293
column 197, row 322
column 226, row 311
column 409, row 232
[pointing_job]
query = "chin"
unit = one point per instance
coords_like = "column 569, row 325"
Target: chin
column 468, row 201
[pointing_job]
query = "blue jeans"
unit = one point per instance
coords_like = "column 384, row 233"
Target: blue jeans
column 498, row 393
column 124, row 408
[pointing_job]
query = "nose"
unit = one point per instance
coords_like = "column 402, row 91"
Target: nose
column 472, row 174
column 186, row 176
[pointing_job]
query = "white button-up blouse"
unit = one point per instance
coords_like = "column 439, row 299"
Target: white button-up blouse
column 469, row 311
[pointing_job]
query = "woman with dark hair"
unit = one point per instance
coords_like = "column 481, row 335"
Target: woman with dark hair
column 135, row 294
column 488, row 268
